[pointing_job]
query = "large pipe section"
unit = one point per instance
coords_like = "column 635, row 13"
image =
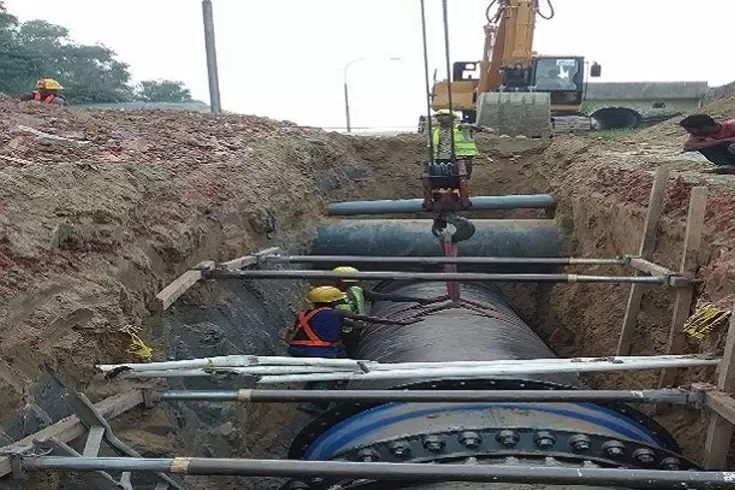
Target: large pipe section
column 353, row 208
column 523, row 434
column 409, row 237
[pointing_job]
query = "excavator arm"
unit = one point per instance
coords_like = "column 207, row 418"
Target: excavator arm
column 508, row 44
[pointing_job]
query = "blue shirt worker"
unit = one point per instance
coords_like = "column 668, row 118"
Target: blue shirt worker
column 318, row 331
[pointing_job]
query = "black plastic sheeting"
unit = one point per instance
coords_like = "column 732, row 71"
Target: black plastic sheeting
column 457, row 334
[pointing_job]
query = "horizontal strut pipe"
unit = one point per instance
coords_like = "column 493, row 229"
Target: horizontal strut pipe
column 352, row 208
column 432, row 276
column 675, row 397
column 491, row 371
column 263, row 362
column 634, row 478
column 356, row 259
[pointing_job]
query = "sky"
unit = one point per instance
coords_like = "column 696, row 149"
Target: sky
column 286, row 59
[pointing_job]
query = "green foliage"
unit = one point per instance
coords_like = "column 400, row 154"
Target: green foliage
column 90, row 74
column 163, row 91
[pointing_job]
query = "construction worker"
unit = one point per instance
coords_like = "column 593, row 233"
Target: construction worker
column 715, row 141
column 47, row 92
column 357, row 296
column 449, row 127
column 318, row 331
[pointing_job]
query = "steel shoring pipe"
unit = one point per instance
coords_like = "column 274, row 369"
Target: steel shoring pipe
column 674, row 397
column 433, row 276
column 361, row 259
column 352, row 208
column 635, row 478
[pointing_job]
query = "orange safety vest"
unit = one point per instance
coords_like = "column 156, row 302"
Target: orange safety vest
column 47, row 100
column 312, row 339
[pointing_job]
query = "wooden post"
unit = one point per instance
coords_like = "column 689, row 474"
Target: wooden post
column 648, row 244
column 719, row 432
column 685, row 295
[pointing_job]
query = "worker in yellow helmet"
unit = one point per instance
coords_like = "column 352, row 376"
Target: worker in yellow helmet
column 357, row 296
column 449, row 127
column 48, row 91
column 318, row 330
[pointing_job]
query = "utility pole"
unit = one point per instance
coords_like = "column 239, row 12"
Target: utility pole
column 214, row 98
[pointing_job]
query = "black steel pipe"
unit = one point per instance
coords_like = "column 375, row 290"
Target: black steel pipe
column 604, row 477
column 413, row 238
column 434, row 276
column 360, row 259
column 675, row 397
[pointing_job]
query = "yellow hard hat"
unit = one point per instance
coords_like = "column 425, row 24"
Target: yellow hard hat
column 346, row 269
column 326, row 294
column 49, row 84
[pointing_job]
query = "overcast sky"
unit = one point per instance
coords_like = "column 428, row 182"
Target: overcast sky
column 285, row 58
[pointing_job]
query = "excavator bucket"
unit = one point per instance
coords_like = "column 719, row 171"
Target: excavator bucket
column 516, row 113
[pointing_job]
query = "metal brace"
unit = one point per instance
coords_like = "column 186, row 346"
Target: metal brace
column 99, row 431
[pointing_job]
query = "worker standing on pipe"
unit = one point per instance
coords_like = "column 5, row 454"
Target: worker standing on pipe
column 318, row 331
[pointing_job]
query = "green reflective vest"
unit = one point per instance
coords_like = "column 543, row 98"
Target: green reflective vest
column 464, row 144
column 357, row 298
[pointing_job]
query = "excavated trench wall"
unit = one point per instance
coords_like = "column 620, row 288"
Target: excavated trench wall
column 251, row 317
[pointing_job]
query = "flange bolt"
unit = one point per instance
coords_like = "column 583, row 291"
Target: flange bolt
column 433, row 444
column 400, row 450
column 368, row 456
column 544, row 439
column 580, row 442
column 507, row 438
column 614, row 449
column 644, row 456
column 671, row 464
column 470, row 439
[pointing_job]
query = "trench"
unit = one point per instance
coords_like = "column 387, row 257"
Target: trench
column 251, row 317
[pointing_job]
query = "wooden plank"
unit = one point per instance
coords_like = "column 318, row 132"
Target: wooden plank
column 685, row 295
column 720, row 430
column 248, row 260
column 643, row 265
column 648, row 245
column 173, row 291
column 721, row 403
column 68, row 429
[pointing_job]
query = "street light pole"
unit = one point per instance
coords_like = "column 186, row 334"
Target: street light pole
column 212, row 71
column 347, row 90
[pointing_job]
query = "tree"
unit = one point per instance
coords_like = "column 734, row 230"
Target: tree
column 163, row 91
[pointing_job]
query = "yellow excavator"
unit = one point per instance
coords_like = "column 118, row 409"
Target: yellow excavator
column 513, row 90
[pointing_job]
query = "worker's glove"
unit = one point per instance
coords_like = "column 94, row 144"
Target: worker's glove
column 410, row 321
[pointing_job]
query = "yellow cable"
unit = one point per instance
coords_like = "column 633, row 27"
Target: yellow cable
column 137, row 346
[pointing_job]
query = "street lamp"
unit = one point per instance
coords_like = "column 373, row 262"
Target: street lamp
column 347, row 92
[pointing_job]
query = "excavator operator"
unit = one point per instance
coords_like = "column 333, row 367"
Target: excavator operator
column 47, row 92
column 318, row 331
